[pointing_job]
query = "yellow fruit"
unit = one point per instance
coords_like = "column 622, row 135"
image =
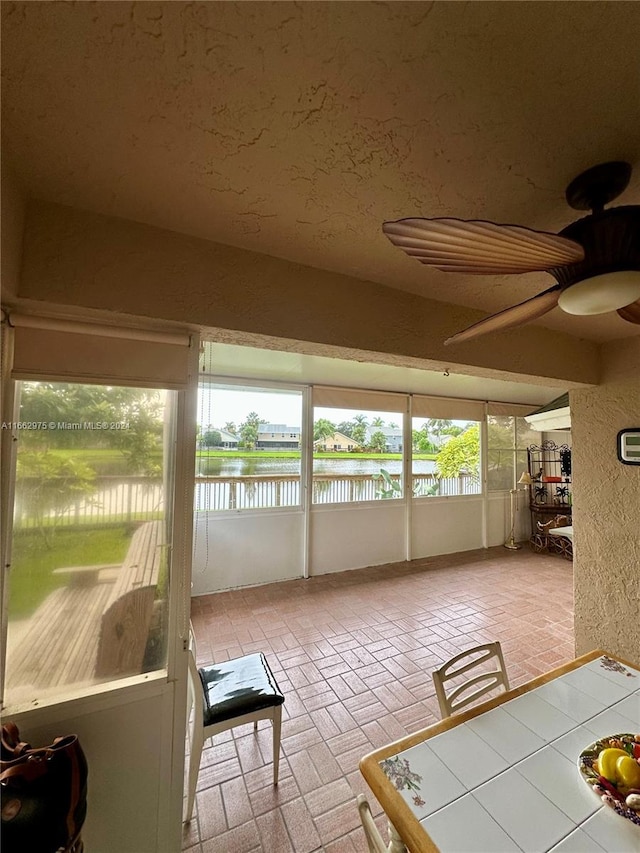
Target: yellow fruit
column 628, row 772
column 607, row 763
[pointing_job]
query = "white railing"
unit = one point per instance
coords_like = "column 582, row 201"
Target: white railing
column 112, row 498
column 117, row 499
column 261, row 492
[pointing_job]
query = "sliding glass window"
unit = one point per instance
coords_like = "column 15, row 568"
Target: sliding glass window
column 357, row 455
column 508, row 438
column 88, row 584
column 248, row 453
column 445, row 457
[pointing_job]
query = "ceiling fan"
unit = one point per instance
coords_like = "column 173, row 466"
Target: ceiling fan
column 595, row 260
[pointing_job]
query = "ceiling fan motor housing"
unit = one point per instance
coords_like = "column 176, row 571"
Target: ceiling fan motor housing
column 611, row 242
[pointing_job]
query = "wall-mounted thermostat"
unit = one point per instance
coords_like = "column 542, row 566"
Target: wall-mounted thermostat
column 629, row 446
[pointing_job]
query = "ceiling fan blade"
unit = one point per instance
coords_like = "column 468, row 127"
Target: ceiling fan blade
column 525, row 311
column 481, row 248
column 631, row 313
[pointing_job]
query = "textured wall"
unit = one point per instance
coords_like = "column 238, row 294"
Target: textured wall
column 607, row 508
column 72, row 257
column 13, row 207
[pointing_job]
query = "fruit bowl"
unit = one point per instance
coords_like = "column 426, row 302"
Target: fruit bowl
column 611, row 784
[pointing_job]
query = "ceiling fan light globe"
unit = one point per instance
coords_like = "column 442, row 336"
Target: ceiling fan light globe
column 601, row 293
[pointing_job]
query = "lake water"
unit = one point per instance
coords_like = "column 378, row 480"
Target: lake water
column 262, row 466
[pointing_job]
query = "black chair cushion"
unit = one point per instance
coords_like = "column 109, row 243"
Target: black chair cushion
column 238, row 687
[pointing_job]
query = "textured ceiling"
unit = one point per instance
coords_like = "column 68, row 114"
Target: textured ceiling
column 295, row 129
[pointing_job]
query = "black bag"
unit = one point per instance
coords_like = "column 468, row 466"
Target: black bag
column 44, row 794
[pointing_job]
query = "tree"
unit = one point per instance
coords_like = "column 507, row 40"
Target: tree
column 461, row 454
column 212, row 438
column 393, row 426
column 377, row 422
column 453, row 430
column 49, row 483
column 359, row 429
column 346, row 428
column 249, row 431
column 437, row 425
column 421, row 442
column 230, row 427
column 136, row 414
column 323, row 429
column 378, row 442
column 359, row 433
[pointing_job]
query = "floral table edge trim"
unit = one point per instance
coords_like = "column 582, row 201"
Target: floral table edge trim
column 400, row 773
column 615, row 666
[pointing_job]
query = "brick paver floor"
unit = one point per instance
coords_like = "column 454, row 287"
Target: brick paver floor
column 353, row 653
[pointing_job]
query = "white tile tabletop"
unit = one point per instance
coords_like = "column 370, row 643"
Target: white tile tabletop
column 542, row 718
column 555, row 776
column 526, row 815
column 612, row 832
column 508, row 736
column 630, row 707
column 570, row 700
column 454, row 748
column 578, row 842
column 438, row 785
column 507, row 778
column 598, row 686
column 466, row 825
column 611, row 722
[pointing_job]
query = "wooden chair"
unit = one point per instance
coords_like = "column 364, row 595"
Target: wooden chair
column 454, row 668
column 374, row 839
column 227, row 695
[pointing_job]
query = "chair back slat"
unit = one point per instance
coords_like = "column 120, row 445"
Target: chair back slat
column 455, row 700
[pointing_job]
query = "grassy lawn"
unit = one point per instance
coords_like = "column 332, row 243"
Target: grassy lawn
column 31, row 576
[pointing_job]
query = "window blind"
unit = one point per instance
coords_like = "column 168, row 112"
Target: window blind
column 356, row 398
column 67, row 351
column 447, row 408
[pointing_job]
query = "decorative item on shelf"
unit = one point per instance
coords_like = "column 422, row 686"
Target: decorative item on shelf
column 550, row 470
column 565, row 462
column 540, row 495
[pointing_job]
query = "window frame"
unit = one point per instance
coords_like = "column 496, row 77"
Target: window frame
column 214, row 380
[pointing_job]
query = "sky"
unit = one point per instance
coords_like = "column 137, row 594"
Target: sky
column 217, row 406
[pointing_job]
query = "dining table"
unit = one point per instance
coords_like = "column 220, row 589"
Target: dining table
column 505, row 775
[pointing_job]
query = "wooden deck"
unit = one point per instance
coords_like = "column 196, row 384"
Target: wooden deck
column 93, row 628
